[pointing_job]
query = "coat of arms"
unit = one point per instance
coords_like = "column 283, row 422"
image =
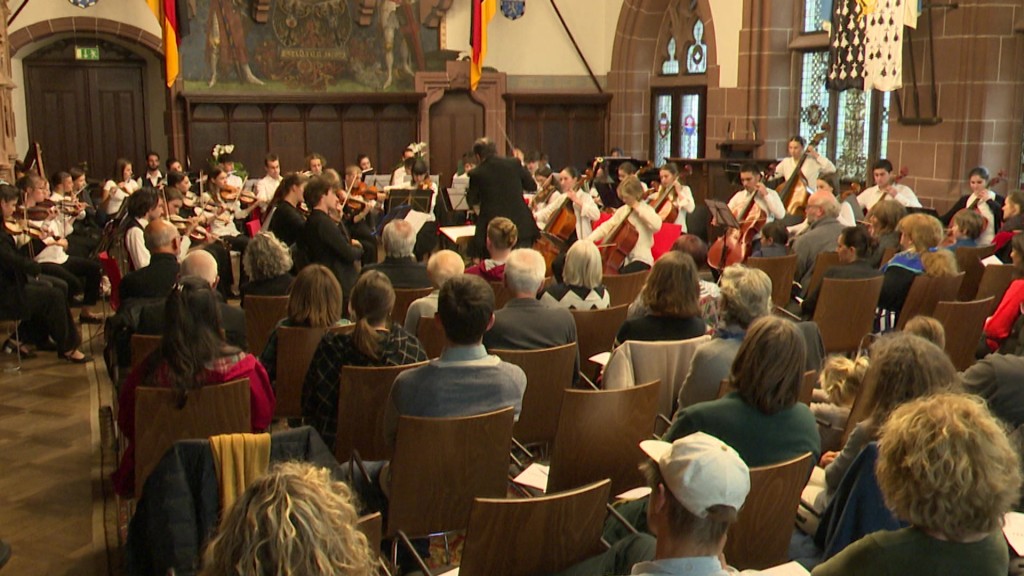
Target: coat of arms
column 513, row 9
column 82, row 3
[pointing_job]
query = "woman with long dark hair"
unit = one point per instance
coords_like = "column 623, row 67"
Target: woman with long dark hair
column 192, row 354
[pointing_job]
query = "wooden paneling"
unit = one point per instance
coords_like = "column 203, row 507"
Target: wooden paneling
column 570, row 128
column 455, row 122
column 293, row 128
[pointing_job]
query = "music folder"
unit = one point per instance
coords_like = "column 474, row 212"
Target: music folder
column 721, row 214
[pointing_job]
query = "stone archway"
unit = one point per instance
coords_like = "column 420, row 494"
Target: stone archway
column 85, row 25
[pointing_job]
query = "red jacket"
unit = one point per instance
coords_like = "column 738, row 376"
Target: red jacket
column 1000, row 324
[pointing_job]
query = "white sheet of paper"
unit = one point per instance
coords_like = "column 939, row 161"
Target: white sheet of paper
column 535, row 476
column 634, row 494
column 1013, row 529
column 417, row 220
column 991, row 261
column 601, row 359
column 452, row 572
column 455, row 232
column 815, row 486
column 787, row 569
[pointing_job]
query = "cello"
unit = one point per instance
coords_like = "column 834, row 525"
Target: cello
column 793, row 191
column 619, row 244
column 736, row 244
column 554, row 238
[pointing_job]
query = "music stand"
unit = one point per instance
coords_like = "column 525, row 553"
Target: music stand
column 721, row 214
column 378, row 181
column 416, row 198
column 367, row 173
column 606, row 190
column 456, row 198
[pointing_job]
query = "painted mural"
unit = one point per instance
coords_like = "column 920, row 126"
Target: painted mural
column 310, row 45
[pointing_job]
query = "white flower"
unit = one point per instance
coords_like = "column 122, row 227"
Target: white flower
column 418, row 148
column 229, row 148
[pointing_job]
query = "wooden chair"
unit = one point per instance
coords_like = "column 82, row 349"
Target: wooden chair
column 636, row 361
column 623, row 288
column 964, row 323
column 969, row 260
column 501, row 294
column 807, row 383
column 549, row 372
column 440, row 465
column 886, row 256
column 295, row 348
column 824, row 261
column 372, row 526
column 760, row 537
column 781, row 270
column 363, row 395
column 599, row 434
column 925, row 293
column 595, row 333
column 430, row 333
column 209, row 411
column 515, row 536
column 262, row 313
column 994, row 282
column 142, row 346
column 404, row 297
column 846, row 312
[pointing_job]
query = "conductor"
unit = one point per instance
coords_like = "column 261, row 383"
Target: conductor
column 496, row 188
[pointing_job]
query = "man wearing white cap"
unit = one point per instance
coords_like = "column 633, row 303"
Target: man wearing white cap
column 698, row 484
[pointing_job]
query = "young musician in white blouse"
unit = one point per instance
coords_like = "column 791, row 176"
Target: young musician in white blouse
column 985, row 202
column 583, row 204
column 813, row 167
column 642, row 216
column 682, row 196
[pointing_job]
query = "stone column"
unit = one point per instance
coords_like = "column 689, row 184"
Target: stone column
column 8, row 153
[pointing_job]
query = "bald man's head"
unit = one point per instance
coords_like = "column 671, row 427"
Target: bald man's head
column 160, row 237
column 828, row 206
column 202, row 264
column 443, row 265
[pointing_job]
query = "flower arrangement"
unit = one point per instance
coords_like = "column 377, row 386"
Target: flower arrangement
column 222, row 149
column 418, row 148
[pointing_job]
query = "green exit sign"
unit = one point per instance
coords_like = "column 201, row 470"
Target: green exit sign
column 87, row 52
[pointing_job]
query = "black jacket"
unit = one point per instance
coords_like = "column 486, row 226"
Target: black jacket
column 153, row 281
column 403, row 272
column 232, row 320
column 286, row 223
column 327, row 243
column 995, row 205
column 497, row 186
column 15, row 268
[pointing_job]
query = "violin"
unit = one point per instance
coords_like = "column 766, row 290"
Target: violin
column 19, row 227
column 546, row 190
column 228, row 193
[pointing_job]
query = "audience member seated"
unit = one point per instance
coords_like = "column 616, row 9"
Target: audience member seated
column 928, row 328
column 40, row 307
column 746, row 296
column 267, row 262
column 502, row 237
column 999, row 380
column 698, row 485
column 999, row 327
column 946, row 466
column 839, row 382
column 670, row 295
column 376, row 341
column 853, row 249
column 820, row 236
column 920, row 237
column 524, row 323
column 964, row 230
column 581, row 287
column 296, row 520
column 903, row 367
column 399, row 265
column 156, row 279
column 1013, row 222
column 442, row 266
column 774, row 241
column 883, row 221
column 232, row 319
column 192, row 354
column 709, row 291
column 313, row 302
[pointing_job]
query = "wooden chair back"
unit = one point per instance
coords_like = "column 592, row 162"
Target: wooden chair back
column 549, row 371
column 501, row 294
column 925, row 293
column 846, row 311
column 886, row 256
column 441, row 464
column 760, row 537
column 142, row 346
column 994, row 282
column 595, row 333
column 623, row 288
column 599, row 434
column 513, row 536
column 969, row 258
column 781, row 269
column 262, row 313
column 404, row 297
column 430, row 333
column 824, row 261
column 295, row 348
column 372, row 526
column 863, row 405
column 667, row 361
column 964, row 323
column 209, row 411
column 807, row 383
column 363, row 395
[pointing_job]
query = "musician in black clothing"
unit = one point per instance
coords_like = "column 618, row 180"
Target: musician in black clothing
column 284, row 218
column 496, row 188
column 325, row 241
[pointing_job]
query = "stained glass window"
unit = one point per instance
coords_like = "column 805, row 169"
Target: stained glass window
column 662, row 128
column 690, row 129
column 671, row 64
column 697, row 54
column 814, row 98
column 815, row 13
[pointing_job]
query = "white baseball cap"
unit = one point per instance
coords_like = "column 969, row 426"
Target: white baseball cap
column 701, row 471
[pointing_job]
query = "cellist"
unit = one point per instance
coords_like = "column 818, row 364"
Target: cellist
column 813, row 167
column 682, row 196
column 641, row 216
column 583, row 204
column 766, row 199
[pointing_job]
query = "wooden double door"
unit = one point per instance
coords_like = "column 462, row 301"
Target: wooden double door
column 87, row 114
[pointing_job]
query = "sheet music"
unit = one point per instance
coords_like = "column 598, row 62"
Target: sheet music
column 457, row 196
column 992, row 260
column 788, row 569
column 454, row 233
column 535, row 476
column 417, row 220
column 601, row 359
column 1013, row 529
column 812, row 492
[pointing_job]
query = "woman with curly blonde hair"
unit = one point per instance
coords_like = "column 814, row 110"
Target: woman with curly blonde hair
column 945, row 465
column 920, row 238
column 293, row 521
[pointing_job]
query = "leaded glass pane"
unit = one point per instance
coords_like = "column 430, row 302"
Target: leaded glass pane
column 662, row 128
column 697, row 54
column 852, row 134
column 671, row 64
column 883, row 119
column 814, row 98
column 816, row 12
column 689, row 139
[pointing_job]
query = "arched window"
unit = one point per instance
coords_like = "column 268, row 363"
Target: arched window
column 670, row 66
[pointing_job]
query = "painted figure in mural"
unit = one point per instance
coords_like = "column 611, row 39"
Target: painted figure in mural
column 226, row 42
column 399, row 16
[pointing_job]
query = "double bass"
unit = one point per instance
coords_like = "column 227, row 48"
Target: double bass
column 736, row 244
column 793, row 192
